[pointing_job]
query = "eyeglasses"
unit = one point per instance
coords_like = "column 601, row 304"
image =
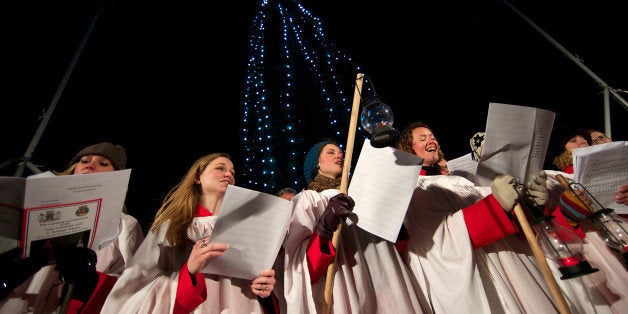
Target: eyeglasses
column 600, row 138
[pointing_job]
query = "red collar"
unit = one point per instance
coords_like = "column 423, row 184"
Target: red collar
column 202, row 211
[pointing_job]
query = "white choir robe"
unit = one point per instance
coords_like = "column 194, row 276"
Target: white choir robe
column 370, row 276
column 41, row 292
column 502, row 277
column 149, row 283
column 611, row 281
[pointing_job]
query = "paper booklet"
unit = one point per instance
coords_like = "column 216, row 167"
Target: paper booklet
column 72, row 210
column 254, row 225
column 382, row 186
column 601, row 169
column 516, row 142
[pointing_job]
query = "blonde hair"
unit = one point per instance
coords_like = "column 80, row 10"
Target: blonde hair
column 563, row 160
column 68, row 171
column 181, row 202
column 441, row 155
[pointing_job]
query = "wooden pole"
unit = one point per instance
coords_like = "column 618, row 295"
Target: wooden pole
column 344, row 183
column 567, row 187
column 540, row 259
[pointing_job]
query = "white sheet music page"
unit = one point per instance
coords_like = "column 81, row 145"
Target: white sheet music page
column 601, row 169
column 64, row 210
column 382, row 186
column 254, row 225
column 516, row 142
column 463, row 166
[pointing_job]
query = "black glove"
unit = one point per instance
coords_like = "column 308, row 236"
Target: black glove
column 339, row 207
column 14, row 271
column 77, row 266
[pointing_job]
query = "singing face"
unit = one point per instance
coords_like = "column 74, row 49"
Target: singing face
column 576, row 142
column 93, row 164
column 217, row 176
column 425, row 145
column 330, row 161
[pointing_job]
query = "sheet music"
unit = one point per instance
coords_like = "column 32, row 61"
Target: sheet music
column 382, row 186
column 601, row 169
column 516, row 142
column 254, row 225
column 66, row 210
column 463, row 166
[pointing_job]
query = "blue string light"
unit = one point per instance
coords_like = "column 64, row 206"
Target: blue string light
column 297, row 91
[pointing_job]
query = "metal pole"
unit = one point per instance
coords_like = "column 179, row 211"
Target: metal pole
column 597, row 79
column 26, row 159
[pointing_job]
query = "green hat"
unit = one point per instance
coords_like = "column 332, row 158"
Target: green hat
column 310, row 165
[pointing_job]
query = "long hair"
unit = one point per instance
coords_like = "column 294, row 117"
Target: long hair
column 180, row 203
column 68, row 171
column 405, row 142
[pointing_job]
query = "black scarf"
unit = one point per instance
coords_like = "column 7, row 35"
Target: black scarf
column 432, row 170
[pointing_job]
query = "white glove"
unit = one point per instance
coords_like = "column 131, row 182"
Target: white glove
column 505, row 192
column 537, row 189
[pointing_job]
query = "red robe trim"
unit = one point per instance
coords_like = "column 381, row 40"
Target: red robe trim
column 190, row 296
column 487, row 222
column 96, row 301
column 318, row 261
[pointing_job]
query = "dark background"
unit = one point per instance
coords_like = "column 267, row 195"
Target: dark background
column 164, row 79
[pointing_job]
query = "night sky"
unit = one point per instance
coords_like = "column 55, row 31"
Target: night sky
column 163, row 79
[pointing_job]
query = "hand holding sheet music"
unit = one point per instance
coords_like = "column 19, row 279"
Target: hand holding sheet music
column 516, row 142
column 79, row 210
column 254, row 225
column 382, row 186
column 601, row 169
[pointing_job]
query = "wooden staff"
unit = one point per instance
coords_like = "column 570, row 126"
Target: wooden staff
column 567, row 187
column 540, row 259
column 344, row 183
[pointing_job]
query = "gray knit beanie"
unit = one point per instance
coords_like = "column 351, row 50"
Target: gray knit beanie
column 310, row 165
column 114, row 153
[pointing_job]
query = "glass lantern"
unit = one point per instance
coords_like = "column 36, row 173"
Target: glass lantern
column 377, row 118
column 612, row 228
column 563, row 246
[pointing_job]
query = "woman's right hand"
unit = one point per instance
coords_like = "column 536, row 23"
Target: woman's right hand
column 621, row 197
column 202, row 252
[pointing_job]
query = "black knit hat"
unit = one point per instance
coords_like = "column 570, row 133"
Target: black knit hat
column 114, row 153
column 560, row 136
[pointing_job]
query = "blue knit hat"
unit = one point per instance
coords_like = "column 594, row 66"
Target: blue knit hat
column 310, row 165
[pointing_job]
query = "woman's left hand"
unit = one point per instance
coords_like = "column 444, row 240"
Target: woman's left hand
column 264, row 284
